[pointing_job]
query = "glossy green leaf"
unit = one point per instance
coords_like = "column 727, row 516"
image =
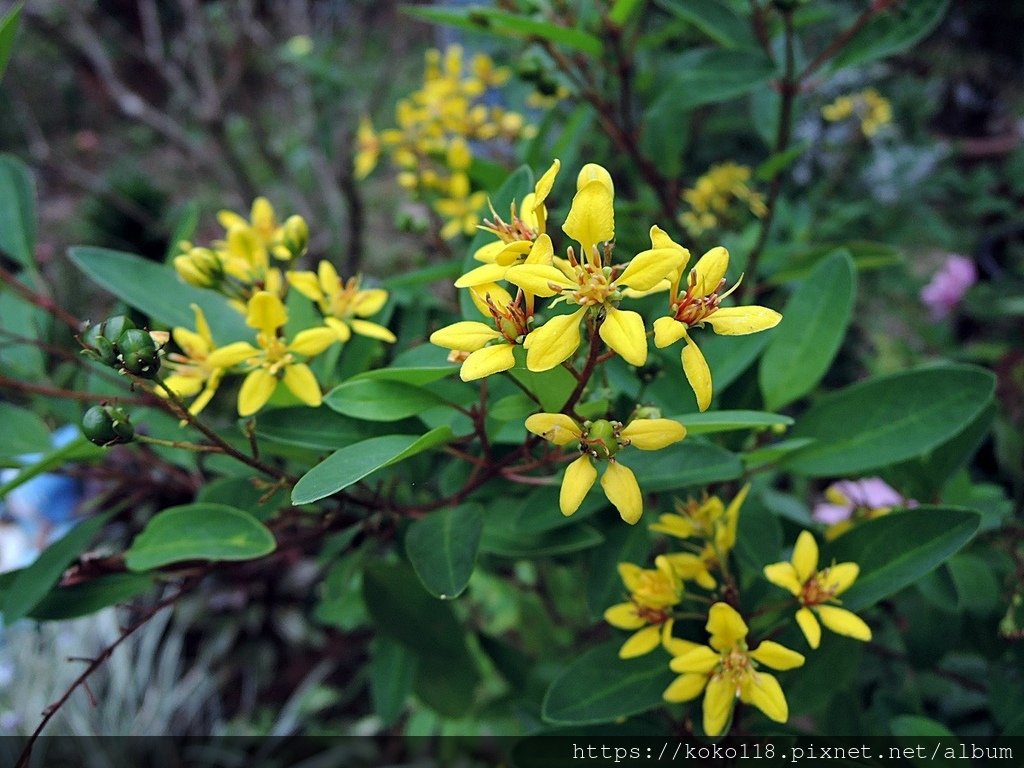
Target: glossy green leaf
column 8, row 31
column 891, row 32
column 712, row 76
column 814, row 323
column 392, row 671
column 561, row 541
column 32, row 583
column 417, row 377
column 379, row 400
column 685, row 464
column 896, row 550
column 599, row 687
column 318, row 428
column 91, row 596
column 17, row 208
column 888, row 419
column 242, row 493
column 156, row 290
column 24, row 432
column 711, row 422
column 715, row 19
column 551, row 387
column 354, row 462
column 198, row 531
column 798, row 264
column 837, row 660
column 916, row 725
column 442, row 548
column 622, row 544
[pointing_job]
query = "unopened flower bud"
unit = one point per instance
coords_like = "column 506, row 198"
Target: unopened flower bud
column 139, row 354
column 107, row 425
column 294, row 237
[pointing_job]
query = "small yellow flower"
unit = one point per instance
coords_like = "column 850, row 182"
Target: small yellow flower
column 871, row 108
column 600, row 441
column 368, row 146
column 274, row 361
column 652, row 594
column 191, row 373
column 343, row 305
column 262, row 227
column 699, row 304
column 817, row 592
column 714, row 193
column 726, row 670
column 460, row 207
column 200, row 267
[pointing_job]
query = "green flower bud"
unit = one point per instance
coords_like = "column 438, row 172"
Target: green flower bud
column 107, row 425
column 295, row 236
column 601, row 438
column 139, row 354
column 100, row 340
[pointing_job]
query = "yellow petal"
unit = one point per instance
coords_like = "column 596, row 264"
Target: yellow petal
column 464, row 336
column 513, row 253
column 498, row 295
column 256, row 389
column 632, row 576
column 542, row 252
column 369, row 302
column 784, row 575
column 487, row 253
column 312, row 341
column 764, row 692
column 725, row 537
column 579, row 479
column 486, row 273
column 841, row 577
column 591, row 218
column 674, row 525
column 340, row 328
column 487, row 361
column 372, row 330
column 739, row 321
column 653, row 434
column 202, row 327
column 661, row 239
column 667, row 331
column 619, row 484
column 543, row 186
column 594, row 172
column 623, row 331
column 554, row 341
column 554, row 427
column 641, row 643
column 809, row 626
column 725, row 626
column 183, row 386
column 303, row 384
column 685, row 688
column 697, row 373
column 710, row 270
column 776, row 656
column 676, row 645
column 624, row 616
column 330, row 283
column 538, row 279
column 266, row 313
column 232, row 354
column 648, row 268
column 843, row 622
column 191, row 343
column 805, row 556
column 699, row 660
column 718, row 703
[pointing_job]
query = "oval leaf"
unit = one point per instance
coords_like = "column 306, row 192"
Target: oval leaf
column 91, row 596
column 376, row 400
column 891, row 32
column 814, row 323
column 600, row 687
column 442, row 548
column 684, row 464
column 710, row 422
column 888, row 419
column 199, row 532
column 896, row 550
column 17, row 199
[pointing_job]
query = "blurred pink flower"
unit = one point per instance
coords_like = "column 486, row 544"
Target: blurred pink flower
column 846, row 496
column 949, row 285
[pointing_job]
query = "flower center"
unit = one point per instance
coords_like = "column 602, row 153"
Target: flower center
column 818, row 589
column 601, row 439
column 340, row 304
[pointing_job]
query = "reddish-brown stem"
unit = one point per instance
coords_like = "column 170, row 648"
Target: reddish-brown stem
column 39, row 300
column 69, row 394
column 569, row 408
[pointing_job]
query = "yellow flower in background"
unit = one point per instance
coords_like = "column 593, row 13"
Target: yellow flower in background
column 869, row 106
column 191, row 373
column 274, row 361
column 201, row 267
column 652, row 594
column 727, row 670
column 263, row 230
column 368, row 147
column 460, row 207
column 343, row 305
column 714, row 194
column 601, row 441
column 700, row 304
column 817, row 592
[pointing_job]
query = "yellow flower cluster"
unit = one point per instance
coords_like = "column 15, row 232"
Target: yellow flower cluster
column 436, row 127
column 239, row 268
column 714, row 195
column 728, row 668
column 869, row 107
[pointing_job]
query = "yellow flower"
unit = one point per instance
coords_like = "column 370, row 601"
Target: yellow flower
column 652, row 594
column 274, row 361
column 262, row 227
column 489, row 349
column 368, row 145
column 726, row 670
column 200, row 267
column 191, row 373
column 871, row 108
column 600, row 441
column 713, row 194
column 698, row 305
column 343, row 305
column 592, row 284
column 460, row 207
column 817, row 592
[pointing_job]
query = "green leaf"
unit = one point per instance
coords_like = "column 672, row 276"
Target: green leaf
column 91, row 596
column 31, row 584
column 155, row 290
column 417, row 377
column 799, row 264
column 884, row 420
column 600, row 687
column 24, row 432
column 8, row 30
column 712, row 76
column 890, row 32
column 759, row 535
column 17, row 205
column 77, row 450
column 896, row 550
column 242, row 493
column 442, row 548
column 354, row 462
column 837, row 660
column 623, row 10
column 711, row 422
column 551, row 387
column 976, row 584
column 198, row 532
column 622, row 544
column 682, row 465
column 814, row 323
column 319, row 428
column 916, row 725
column 379, row 400
column 715, row 19
column 561, row 541
column 778, row 162
column 392, row 671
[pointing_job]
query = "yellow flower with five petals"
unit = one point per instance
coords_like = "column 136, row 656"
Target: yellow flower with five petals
column 191, row 373
column 652, row 594
column 343, row 305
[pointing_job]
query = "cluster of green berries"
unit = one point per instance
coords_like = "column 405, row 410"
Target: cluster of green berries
column 117, row 342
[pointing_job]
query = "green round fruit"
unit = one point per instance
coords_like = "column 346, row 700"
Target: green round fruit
column 139, row 354
column 107, row 425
